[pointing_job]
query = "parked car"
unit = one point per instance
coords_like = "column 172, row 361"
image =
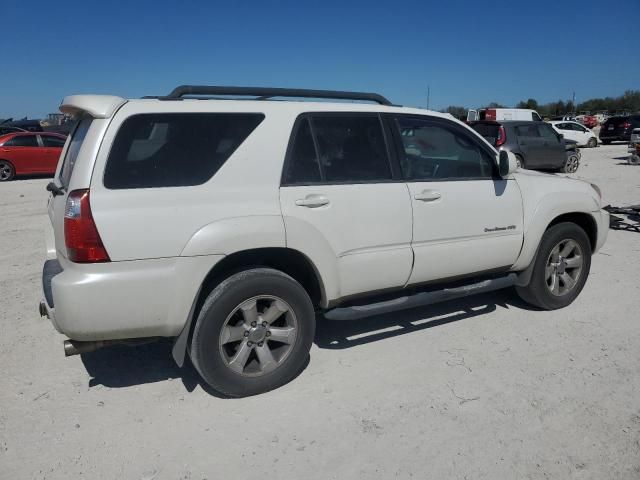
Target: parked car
column 588, row 121
column 28, row 125
column 500, row 114
column 7, row 129
column 26, row 153
column 577, row 132
column 619, row 128
column 536, row 145
column 225, row 224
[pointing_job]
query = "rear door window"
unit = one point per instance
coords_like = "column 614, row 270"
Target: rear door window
column 175, row 149
column 527, row 131
column 77, row 137
column 351, row 148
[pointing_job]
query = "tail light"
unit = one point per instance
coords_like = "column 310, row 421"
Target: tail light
column 80, row 233
column 625, row 125
column 502, row 136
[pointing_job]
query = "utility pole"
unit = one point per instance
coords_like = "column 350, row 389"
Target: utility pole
column 428, row 95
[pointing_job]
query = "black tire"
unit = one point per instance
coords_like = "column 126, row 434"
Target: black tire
column 7, row 171
column 538, row 293
column 592, row 143
column 207, row 344
column 520, row 161
column 571, row 164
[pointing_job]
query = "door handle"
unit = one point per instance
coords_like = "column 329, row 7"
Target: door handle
column 427, row 196
column 312, row 201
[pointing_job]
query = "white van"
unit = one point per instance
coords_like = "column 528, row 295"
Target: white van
column 497, row 114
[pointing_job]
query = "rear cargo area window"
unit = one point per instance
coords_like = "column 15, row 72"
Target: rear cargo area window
column 175, row 149
column 77, row 137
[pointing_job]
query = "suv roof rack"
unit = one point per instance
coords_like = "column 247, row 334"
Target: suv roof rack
column 264, row 93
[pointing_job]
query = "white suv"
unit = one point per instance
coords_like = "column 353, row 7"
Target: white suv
column 225, row 223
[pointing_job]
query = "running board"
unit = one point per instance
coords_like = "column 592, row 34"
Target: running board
column 420, row 299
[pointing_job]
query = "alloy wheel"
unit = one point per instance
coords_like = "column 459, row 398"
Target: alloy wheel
column 258, row 335
column 564, row 267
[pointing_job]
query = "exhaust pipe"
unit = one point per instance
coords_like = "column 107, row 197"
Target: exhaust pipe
column 76, row 347
column 73, row 347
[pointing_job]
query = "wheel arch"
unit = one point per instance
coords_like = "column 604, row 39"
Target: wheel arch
column 287, row 260
column 582, row 219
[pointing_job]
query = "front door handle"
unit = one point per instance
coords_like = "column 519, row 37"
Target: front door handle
column 312, row 201
column 427, row 196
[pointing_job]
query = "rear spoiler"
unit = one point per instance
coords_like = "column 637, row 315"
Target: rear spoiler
column 98, row 106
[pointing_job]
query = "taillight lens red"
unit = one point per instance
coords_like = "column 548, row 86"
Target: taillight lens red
column 626, row 125
column 502, row 137
column 80, row 233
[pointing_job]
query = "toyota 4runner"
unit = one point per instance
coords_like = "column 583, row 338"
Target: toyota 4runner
column 225, row 222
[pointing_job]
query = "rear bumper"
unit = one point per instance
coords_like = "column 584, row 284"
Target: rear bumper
column 109, row 301
column 615, row 137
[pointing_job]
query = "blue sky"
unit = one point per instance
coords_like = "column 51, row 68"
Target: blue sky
column 469, row 52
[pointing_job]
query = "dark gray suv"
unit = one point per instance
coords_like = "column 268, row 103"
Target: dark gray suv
column 536, row 145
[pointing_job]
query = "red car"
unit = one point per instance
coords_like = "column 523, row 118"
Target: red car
column 27, row 153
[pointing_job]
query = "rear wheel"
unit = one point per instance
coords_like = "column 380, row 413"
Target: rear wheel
column 253, row 333
column 592, row 143
column 519, row 161
column 561, row 267
column 634, row 160
column 571, row 164
column 7, row 171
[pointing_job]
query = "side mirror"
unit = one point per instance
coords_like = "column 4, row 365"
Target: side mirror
column 507, row 163
column 561, row 135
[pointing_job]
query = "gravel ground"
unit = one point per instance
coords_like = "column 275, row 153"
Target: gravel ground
column 478, row 389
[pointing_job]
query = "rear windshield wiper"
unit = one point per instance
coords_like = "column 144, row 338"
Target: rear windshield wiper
column 55, row 189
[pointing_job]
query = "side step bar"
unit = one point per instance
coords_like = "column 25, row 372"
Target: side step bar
column 420, row 299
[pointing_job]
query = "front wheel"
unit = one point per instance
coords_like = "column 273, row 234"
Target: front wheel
column 519, row 161
column 592, row 143
column 253, row 333
column 7, row 171
column 561, row 267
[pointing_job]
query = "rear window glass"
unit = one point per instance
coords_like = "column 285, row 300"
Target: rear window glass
column 175, row 149
column 489, row 132
column 77, row 137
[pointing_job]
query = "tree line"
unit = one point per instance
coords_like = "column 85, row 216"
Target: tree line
column 628, row 101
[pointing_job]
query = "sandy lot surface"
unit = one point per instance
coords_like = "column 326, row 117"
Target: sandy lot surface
column 478, row 389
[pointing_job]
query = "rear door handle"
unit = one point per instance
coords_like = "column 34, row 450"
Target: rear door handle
column 312, row 201
column 427, row 196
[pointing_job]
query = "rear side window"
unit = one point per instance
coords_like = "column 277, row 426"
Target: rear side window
column 77, row 137
column 51, row 141
column 22, row 141
column 351, row 148
column 527, row 131
column 338, row 148
column 175, row 149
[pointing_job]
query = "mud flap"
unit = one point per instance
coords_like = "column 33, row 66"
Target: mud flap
column 182, row 341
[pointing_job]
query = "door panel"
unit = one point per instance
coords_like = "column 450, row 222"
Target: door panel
column 474, row 226
column 553, row 149
column 366, row 226
column 464, row 220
